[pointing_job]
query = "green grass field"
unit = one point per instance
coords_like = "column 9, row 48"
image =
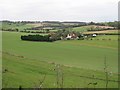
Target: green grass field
column 28, row 62
column 107, row 37
column 19, row 26
column 82, row 29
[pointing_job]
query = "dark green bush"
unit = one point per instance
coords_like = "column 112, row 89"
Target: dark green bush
column 42, row 38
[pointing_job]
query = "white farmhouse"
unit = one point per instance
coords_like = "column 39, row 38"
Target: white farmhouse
column 69, row 36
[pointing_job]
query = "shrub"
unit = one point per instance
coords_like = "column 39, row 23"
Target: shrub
column 103, row 39
column 109, row 39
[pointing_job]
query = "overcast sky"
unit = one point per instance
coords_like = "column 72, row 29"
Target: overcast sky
column 59, row 10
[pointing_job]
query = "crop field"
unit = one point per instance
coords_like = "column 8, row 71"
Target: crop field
column 33, row 33
column 35, row 24
column 102, row 32
column 27, row 63
column 85, row 29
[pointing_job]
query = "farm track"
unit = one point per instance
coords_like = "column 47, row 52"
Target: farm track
column 117, row 81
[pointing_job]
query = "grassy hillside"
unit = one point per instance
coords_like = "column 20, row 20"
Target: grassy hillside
column 63, row 53
column 19, row 26
column 28, row 72
column 83, row 28
column 102, row 44
column 107, row 37
column 25, row 63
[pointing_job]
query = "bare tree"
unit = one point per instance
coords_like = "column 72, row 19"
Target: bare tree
column 40, row 83
column 106, row 72
column 59, row 75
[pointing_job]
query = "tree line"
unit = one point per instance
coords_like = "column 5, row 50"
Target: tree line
column 46, row 38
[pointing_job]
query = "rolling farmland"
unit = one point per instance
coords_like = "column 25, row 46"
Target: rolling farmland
column 25, row 63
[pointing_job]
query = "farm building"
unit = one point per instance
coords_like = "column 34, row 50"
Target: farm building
column 94, row 35
column 72, row 36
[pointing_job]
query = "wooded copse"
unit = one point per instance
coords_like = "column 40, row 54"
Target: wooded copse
column 46, row 38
